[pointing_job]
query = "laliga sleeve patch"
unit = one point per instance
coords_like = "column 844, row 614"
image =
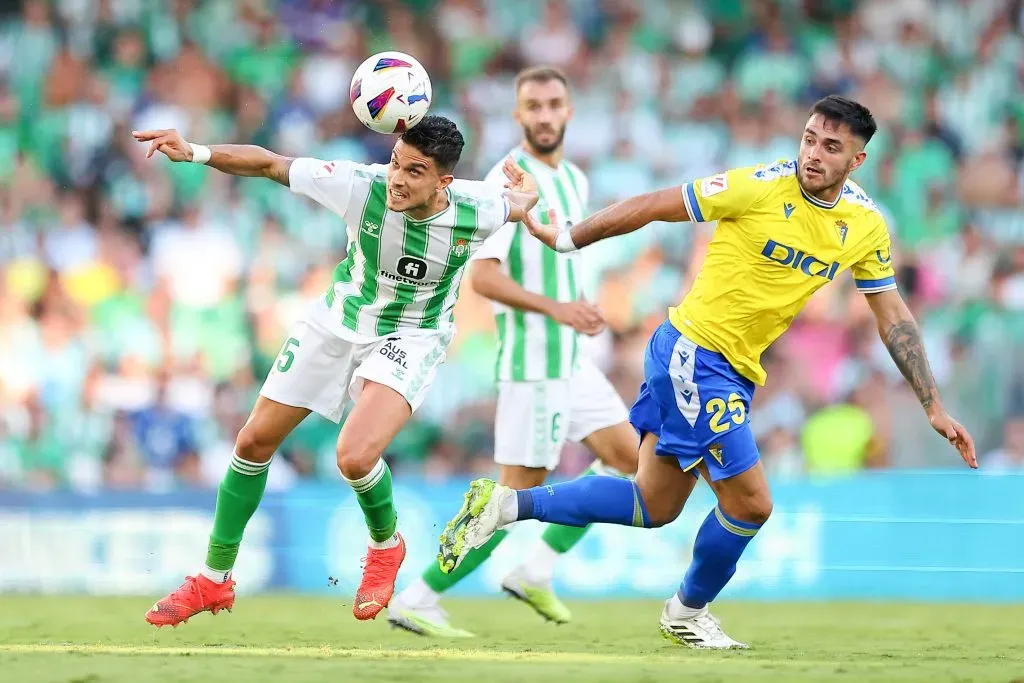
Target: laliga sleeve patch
column 324, row 170
column 709, row 187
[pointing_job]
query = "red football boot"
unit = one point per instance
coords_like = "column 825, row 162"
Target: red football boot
column 378, row 584
column 197, row 594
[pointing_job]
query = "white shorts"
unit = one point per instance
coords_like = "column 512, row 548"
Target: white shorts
column 534, row 419
column 319, row 370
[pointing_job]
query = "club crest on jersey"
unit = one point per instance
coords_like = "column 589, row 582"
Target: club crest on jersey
column 716, row 452
column 460, row 248
column 841, row 227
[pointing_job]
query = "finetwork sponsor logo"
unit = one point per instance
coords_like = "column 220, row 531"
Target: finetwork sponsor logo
column 412, row 267
column 405, row 280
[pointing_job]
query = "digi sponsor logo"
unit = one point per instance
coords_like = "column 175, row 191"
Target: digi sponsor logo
column 806, row 263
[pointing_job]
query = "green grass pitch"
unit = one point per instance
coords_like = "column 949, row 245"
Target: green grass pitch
column 296, row 639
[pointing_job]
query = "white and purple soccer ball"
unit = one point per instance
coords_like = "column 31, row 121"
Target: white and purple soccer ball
column 390, row 92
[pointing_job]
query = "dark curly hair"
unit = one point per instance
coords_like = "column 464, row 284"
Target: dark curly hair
column 438, row 138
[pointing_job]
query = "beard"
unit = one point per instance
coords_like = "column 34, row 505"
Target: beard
column 826, row 181
column 540, row 147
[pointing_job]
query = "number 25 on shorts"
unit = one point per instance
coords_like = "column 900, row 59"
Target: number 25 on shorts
column 287, row 356
column 718, row 408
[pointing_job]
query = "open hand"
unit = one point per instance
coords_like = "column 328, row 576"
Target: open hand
column 955, row 433
column 547, row 234
column 168, row 141
column 582, row 316
column 518, row 179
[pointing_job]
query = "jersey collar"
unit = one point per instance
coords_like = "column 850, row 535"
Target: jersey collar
column 817, row 202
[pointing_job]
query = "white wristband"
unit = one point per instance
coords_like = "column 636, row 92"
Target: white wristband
column 564, row 243
column 200, row 153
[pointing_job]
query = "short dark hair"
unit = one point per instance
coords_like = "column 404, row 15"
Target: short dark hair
column 438, row 138
column 842, row 110
column 540, row 74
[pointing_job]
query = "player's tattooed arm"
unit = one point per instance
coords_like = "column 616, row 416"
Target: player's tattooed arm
column 902, row 337
column 620, row 218
column 241, row 160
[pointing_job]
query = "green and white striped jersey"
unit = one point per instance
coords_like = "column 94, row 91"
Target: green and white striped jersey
column 532, row 346
column 399, row 273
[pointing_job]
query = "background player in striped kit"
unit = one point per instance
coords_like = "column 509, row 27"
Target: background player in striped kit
column 547, row 390
column 376, row 336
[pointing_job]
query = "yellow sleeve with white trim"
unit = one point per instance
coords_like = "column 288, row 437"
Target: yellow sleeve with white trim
column 874, row 273
column 723, row 195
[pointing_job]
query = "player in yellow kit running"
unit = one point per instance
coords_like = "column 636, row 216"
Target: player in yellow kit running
column 784, row 231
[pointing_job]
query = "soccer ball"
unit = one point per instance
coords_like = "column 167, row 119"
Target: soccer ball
column 390, row 92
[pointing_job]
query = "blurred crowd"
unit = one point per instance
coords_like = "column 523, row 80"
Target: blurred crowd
column 142, row 302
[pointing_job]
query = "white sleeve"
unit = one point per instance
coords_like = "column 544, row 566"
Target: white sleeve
column 328, row 183
column 497, row 245
column 492, row 205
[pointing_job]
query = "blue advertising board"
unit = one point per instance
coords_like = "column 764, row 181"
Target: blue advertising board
column 887, row 535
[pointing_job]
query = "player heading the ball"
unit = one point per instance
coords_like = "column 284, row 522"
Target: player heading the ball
column 376, row 336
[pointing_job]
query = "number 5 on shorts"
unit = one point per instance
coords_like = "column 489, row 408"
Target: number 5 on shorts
column 717, row 407
column 287, row 356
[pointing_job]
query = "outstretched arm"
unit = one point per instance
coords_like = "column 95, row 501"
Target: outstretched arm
column 240, row 160
column 899, row 332
column 620, row 218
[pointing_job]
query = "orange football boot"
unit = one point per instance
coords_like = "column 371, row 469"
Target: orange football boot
column 197, row 594
column 378, row 584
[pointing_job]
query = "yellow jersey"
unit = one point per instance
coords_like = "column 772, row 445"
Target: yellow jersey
column 774, row 246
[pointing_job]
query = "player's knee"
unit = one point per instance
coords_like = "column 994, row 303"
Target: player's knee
column 761, row 510
column 660, row 510
column 755, row 509
column 254, row 444
column 356, row 460
column 660, row 516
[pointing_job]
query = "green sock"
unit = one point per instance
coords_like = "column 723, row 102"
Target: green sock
column 374, row 495
column 238, row 497
column 440, row 582
column 560, row 538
